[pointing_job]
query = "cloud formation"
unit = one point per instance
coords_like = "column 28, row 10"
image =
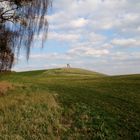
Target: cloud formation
column 102, row 35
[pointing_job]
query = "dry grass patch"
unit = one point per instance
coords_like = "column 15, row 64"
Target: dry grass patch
column 4, row 87
column 30, row 116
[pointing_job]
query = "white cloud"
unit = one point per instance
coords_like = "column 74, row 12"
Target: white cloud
column 126, row 42
column 78, row 23
column 63, row 37
column 88, row 51
column 95, row 38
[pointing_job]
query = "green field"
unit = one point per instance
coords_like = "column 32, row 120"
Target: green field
column 69, row 104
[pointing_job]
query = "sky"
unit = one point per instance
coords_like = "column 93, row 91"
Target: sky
column 99, row 35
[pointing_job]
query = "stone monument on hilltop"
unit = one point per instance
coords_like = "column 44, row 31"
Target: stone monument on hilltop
column 68, row 65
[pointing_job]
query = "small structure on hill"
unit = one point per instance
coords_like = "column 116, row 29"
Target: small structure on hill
column 68, row 65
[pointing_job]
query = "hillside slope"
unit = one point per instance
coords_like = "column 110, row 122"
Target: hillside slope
column 72, row 72
column 69, row 104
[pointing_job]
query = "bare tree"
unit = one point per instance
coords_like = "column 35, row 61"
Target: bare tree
column 6, row 49
column 20, row 22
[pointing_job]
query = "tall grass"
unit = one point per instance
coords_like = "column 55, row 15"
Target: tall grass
column 69, row 104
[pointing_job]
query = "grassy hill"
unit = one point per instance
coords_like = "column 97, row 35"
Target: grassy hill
column 69, row 104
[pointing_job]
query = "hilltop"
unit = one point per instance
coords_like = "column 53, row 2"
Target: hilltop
column 72, row 72
column 62, row 72
column 69, row 103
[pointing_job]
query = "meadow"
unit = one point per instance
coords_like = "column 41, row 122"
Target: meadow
column 69, row 104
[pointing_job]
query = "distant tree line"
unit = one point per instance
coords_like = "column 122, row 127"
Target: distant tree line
column 20, row 22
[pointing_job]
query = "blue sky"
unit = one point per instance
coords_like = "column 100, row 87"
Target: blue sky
column 100, row 35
